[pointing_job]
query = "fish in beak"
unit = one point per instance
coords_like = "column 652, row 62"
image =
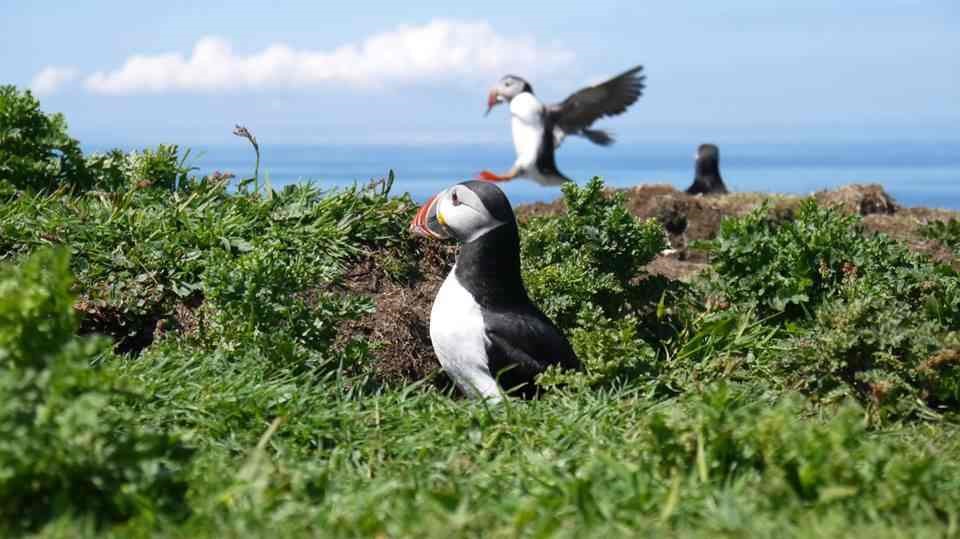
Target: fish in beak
column 429, row 222
column 493, row 99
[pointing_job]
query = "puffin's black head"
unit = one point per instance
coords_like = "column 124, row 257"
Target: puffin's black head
column 463, row 212
column 707, row 180
column 510, row 86
column 708, row 160
column 708, row 152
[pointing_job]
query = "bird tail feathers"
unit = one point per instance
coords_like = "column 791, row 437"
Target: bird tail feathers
column 598, row 136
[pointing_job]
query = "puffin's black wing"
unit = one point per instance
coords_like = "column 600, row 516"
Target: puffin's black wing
column 522, row 345
column 610, row 98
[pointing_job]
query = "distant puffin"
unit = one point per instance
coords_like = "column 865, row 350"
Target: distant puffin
column 483, row 326
column 707, row 180
column 538, row 129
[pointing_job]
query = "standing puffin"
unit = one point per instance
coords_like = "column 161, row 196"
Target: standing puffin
column 483, row 326
column 538, row 129
column 707, row 180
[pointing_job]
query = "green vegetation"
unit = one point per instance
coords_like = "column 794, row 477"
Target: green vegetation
column 947, row 232
column 71, row 443
column 861, row 316
column 35, row 150
column 581, row 268
column 37, row 153
column 807, row 385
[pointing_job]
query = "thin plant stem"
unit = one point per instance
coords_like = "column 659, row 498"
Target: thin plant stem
column 242, row 131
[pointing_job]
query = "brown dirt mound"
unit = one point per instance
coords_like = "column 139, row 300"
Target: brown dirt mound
column 868, row 199
column 906, row 226
column 129, row 333
column 667, row 205
column 131, row 329
column 400, row 322
column 525, row 212
column 702, row 215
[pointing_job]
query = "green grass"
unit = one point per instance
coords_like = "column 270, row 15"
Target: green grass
column 409, row 462
column 806, row 386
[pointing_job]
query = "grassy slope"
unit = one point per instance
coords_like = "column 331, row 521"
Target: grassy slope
column 295, row 434
column 408, row 462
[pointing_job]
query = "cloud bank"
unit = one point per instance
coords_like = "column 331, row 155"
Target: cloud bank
column 51, row 78
column 439, row 51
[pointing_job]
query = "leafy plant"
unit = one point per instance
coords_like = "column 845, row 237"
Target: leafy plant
column 141, row 254
column 794, row 266
column 877, row 348
column 66, row 443
column 610, row 349
column 262, row 296
column 35, row 150
column 947, row 232
column 591, row 253
column 161, row 168
column 864, row 316
column 581, row 268
column 785, row 267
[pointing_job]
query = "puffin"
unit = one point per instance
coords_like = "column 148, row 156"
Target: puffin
column 538, row 129
column 707, row 180
column 489, row 336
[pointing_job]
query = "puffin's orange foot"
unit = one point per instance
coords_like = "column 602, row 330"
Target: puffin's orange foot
column 488, row 176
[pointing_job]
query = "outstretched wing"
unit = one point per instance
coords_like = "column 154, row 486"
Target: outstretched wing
column 522, row 345
column 610, row 98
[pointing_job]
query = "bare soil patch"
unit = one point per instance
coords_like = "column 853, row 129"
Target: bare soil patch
column 400, row 323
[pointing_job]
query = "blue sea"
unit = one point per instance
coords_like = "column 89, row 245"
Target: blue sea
column 915, row 173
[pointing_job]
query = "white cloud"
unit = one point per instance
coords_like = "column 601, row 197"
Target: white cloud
column 51, row 78
column 442, row 50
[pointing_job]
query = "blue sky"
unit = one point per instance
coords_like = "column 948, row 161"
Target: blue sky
column 396, row 72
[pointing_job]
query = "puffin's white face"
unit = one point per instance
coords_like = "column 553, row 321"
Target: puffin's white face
column 509, row 87
column 456, row 212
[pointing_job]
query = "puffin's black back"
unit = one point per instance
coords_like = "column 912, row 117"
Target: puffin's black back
column 707, row 179
column 489, row 266
column 547, row 158
column 523, row 341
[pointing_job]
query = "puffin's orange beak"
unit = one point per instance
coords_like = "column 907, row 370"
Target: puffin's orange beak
column 493, row 99
column 428, row 223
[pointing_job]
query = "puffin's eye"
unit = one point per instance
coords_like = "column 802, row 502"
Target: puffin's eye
column 507, row 83
column 455, row 199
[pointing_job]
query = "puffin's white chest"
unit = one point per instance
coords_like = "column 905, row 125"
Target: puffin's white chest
column 527, row 123
column 459, row 339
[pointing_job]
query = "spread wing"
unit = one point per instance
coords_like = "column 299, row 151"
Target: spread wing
column 610, row 98
column 522, row 345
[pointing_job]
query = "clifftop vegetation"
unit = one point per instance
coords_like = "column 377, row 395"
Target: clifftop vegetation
column 184, row 357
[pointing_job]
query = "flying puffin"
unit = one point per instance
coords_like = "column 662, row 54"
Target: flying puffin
column 707, row 180
column 538, row 129
column 483, row 326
